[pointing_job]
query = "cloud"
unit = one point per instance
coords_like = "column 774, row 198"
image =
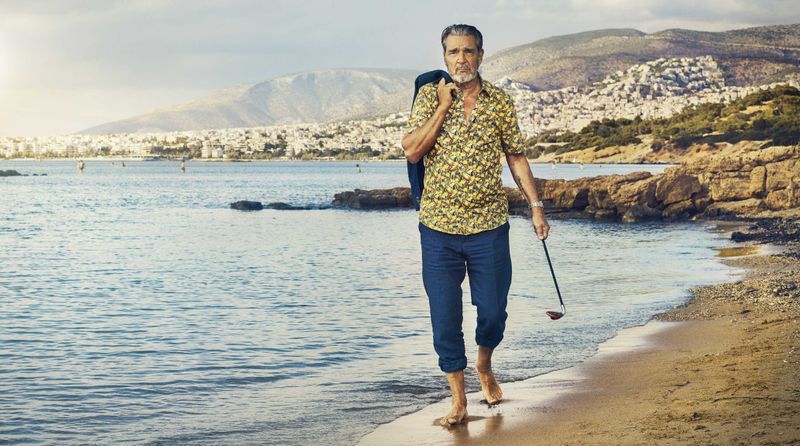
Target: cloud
column 155, row 45
column 651, row 15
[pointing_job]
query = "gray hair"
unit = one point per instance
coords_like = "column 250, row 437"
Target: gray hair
column 462, row 30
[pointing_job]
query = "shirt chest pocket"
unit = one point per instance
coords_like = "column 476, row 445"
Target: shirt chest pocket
column 454, row 129
column 487, row 129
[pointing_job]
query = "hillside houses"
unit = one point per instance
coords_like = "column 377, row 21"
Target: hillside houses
column 656, row 89
column 659, row 88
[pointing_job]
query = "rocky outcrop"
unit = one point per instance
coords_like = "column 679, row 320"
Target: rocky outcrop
column 245, row 205
column 780, row 231
column 742, row 185
column 750, row 181
column 398, row 197
column 675, row 188
column 278, row 205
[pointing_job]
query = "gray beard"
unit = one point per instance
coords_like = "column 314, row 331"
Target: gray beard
column 464, row 78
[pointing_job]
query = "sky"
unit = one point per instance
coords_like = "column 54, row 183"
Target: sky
column 71, row 64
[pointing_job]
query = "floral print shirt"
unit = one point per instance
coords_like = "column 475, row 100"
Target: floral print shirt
column 463, row 191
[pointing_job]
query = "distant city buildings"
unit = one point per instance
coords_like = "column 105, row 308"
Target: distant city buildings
column 381, row 134
column 658, row 88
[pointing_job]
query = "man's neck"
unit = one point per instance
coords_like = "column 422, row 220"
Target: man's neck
column 472, row 87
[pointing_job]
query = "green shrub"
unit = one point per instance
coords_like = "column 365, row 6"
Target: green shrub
column 778, row 122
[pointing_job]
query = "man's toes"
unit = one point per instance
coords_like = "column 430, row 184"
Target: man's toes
column 491, row 401
column 492, row 392
column 497, row 394
column 453, row 419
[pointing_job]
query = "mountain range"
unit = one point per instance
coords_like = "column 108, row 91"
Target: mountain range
column 316, row 96
column 746, row 56
column 750, row 56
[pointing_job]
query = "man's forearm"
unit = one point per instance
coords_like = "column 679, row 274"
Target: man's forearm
column 521, row 171
column 417, row 143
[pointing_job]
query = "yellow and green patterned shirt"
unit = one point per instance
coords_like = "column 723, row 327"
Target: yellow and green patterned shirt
column 463, row 191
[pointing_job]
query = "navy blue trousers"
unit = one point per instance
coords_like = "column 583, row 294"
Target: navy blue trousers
column 446, row 258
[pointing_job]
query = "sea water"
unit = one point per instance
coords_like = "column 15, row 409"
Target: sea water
column 137, row 308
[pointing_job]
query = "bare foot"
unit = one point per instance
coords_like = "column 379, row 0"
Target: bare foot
column 457, row 415
column 491, row 390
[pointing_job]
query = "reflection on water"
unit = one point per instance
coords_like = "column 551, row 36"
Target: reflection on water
column 737, row 251
column 138, row 308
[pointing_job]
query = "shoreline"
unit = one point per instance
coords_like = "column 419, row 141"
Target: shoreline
column 529, row 398
column 700, row 373
column 397, row 161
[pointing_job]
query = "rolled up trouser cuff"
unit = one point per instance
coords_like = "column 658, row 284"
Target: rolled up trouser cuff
column 489, row 343
column 453, row 365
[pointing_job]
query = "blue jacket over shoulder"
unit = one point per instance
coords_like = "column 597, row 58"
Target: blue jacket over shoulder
column 416, row 171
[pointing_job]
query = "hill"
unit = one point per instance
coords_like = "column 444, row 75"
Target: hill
column 711, row 61
column 315, row 96
column 746, row 56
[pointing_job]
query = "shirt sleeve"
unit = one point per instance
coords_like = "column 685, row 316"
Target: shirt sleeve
column 512, row 140
column 424, row 107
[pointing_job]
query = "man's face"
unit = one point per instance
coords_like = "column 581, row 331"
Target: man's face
column 462, row 58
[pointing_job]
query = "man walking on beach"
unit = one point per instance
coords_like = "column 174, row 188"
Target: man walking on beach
column 460, row 130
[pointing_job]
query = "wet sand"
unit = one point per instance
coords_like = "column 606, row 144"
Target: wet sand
column 525, row 400
column 724, row 369
column 728, row 374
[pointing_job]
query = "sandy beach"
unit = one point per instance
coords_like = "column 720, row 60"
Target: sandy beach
column 723, row 369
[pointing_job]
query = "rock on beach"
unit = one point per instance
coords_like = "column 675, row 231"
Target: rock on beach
column 738, row 183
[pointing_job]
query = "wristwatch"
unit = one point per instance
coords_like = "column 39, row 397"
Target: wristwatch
column 537, row 204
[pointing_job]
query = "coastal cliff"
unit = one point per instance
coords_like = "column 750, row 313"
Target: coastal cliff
column 738, row 182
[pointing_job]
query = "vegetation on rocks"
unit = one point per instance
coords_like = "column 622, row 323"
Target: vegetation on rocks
column 771, row 115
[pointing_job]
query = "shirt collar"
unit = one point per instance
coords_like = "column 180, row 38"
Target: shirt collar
column 486, row 87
